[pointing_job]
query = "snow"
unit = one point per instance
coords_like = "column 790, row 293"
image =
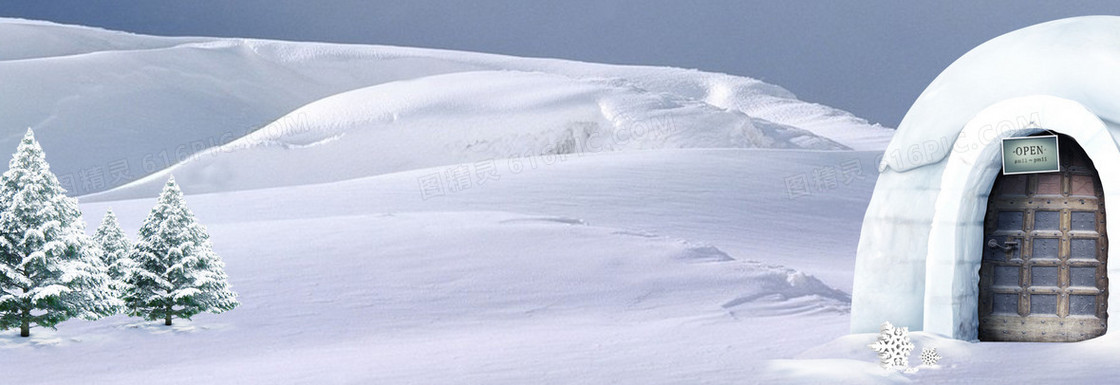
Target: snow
column 845, row 361
column 41, row 293
column 186, row 95
column 695, row 259
column 919, row 253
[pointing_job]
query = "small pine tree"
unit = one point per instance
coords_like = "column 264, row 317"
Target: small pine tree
column 50, row 270
column 116, row 247
column 175, row 270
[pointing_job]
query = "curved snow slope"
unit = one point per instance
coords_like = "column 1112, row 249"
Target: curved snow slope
column 1074, row 58
column 30, row 39
column 466, row 117
column 110, row 107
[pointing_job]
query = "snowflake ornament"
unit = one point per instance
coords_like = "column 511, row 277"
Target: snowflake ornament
column 894, row 347
column 930, row 356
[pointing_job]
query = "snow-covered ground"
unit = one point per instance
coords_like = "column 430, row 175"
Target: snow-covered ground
column 640, row 267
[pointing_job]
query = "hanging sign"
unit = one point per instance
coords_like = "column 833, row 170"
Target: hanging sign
column 1032, row 154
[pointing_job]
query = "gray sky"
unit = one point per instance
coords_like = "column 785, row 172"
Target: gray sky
column 869, row 57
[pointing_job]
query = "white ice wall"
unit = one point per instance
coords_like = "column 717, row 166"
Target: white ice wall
column 891, row 258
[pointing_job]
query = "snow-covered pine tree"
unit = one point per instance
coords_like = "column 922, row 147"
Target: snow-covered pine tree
column 50, row 270
column 116, row 247
column 175, row 270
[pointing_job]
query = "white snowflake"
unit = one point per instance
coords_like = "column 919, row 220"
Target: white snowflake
column 894, row 347
column 930, row 356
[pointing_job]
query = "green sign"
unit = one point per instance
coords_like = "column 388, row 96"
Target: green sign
column 1032, row 154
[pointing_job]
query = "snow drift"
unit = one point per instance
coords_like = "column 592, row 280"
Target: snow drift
column 185, row 95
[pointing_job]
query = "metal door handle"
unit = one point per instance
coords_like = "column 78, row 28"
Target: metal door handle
column 1007, row 246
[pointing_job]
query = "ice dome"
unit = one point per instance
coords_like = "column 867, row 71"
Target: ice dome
column 1076, row 58
column 923, row 234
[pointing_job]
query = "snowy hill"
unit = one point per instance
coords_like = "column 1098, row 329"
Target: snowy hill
column 140, row 104
column 31, row 39
column 466, row 117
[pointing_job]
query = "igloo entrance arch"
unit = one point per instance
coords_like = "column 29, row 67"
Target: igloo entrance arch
column 956, row 240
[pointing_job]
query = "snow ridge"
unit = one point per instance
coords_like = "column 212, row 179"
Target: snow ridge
column 186, row 95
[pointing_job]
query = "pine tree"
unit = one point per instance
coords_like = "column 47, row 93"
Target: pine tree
column 175, row 270
column 50, row 270
column 116, row 247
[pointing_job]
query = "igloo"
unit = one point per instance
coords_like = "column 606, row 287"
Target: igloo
column 945, row 249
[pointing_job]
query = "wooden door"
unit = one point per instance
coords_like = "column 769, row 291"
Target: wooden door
column 1042, row 276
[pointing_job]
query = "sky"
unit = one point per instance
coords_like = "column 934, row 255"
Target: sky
column 870, row 57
